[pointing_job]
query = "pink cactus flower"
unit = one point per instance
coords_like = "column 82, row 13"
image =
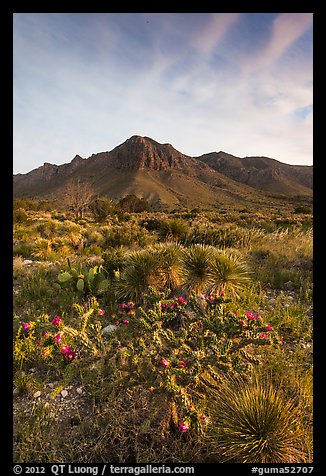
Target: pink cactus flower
column 222, row 293
column 182, row 364
column 117, row 323
column 258, row 316
column 125, row 321
column 64, row 349
column 101, row 312
column 165, row 363
column 183, row 427
column 203, row 418
column 243, row 323
column 28, row 325
column 182, row 300
column 262, row 335
column 56, row 321
column 123, row 305
column 250, row 316
column 131, row 305
column 70, row 355
column 57, row 337
column 268, row 328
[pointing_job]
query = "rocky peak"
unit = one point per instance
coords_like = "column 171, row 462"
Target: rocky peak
column 139, row 153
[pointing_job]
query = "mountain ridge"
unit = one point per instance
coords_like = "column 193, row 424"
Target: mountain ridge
column 161, row 173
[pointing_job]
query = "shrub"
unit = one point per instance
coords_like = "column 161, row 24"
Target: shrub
column 133, row 204
column 173, row 230
column 20, row 216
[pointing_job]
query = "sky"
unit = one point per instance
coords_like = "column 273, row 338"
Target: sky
column 84, row 83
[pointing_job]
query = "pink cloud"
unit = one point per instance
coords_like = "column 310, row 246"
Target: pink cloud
column 287, row 28
column 213, row 31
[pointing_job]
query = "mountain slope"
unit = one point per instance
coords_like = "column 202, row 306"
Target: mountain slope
column 157, row 172
column 263, row 173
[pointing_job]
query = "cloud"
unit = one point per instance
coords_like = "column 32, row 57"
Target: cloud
column 212, row 32
column 286, row 29
column 84, row 84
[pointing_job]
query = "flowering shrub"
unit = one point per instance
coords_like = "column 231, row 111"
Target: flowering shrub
column 40, row 342
column 175, row 348
column 177, row 363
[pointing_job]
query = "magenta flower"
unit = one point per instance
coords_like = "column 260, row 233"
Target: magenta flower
column 183, row 427
column 56, row 321
column 203, row 418
column 130, row 305
column 125, row 321
column 164, row 305
column 250, row 316
column 70, row 355
column 258, row 316
column 182, row 300
column 243, row 323
column 123, row 305
column 117, row 323
column 101, row 312
column 222, row 293
column 165, row 363
column 28, row 325
column 268, row 328
column 182, row 364
column 64, row 349
column 57, row 338
column 262, row 335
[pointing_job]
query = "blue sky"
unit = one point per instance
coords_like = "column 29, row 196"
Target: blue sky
column 85, row 82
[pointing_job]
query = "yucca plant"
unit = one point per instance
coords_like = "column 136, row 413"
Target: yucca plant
column 229, row 272
column 254, row 422
column 42, row 249
column 169, row 257
column 141, row 271
column 196, row 262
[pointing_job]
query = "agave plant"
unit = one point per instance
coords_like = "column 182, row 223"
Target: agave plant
column 228, row 272
column 196, row 262
column 141, row 271
column 255, row 422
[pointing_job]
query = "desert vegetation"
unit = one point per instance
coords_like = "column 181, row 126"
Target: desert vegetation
column 168, row 337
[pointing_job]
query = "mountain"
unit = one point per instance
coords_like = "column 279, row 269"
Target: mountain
column 160, row 174
column 263, row 173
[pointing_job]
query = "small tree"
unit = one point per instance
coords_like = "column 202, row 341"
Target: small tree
column 133, row 204
column 102, row 208
column 78, row 196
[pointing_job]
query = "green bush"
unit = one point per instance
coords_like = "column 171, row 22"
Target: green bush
column 20, row 216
